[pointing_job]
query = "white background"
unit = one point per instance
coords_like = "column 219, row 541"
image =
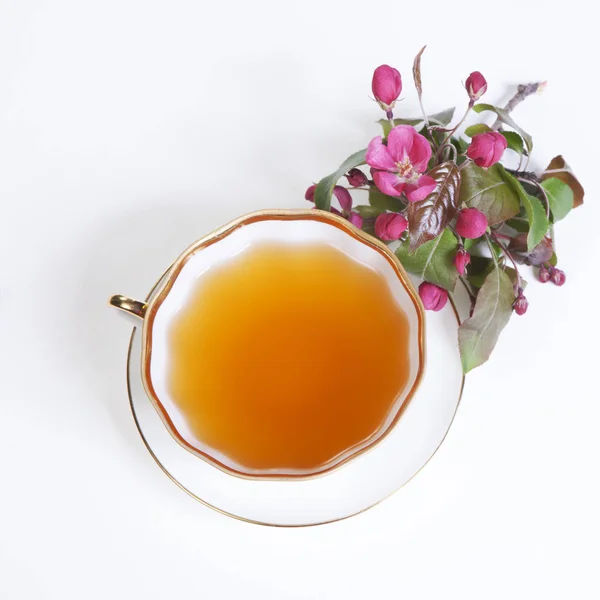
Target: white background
column 128, row 129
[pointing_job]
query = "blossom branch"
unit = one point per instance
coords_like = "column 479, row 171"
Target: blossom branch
column 510, row 257
column 453, row 130
column 523, row 91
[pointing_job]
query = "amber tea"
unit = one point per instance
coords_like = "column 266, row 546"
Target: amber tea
column 287, row 357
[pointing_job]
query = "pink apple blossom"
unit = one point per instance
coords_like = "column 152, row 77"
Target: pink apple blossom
column 344, row 198
column 398, row 166
column 356, row 178
column 486, row 149
column 476, row 85
column 557, row 276
column 520, row 305
column 386, row 86
column 341, row 193
column 471, row 223
column 461, row 260
column 355, row 219
column 390, row 226
column 433, row 297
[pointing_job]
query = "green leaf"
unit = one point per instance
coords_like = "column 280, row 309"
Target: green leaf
column 536, row 215
column 384, row 202
column 505, row 118
column 368, row 212
column 560, row 197
column 324, row 188
column 560, row 169
column 442, row 118
column 481, row 267
column 489, row 191
column 460, row 143
column 461, row 146
column 468, row 243
column 477, row 129
column 478, row 335
column 512, row 275
column 514, row 141
column 433, row 261
column 428, row 218
column 519, row 224
column 478, row 269
column 538, row 221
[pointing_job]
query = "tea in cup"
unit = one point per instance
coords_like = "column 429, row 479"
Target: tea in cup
column 282, row 345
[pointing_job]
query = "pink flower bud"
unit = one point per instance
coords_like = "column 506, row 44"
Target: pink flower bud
column 476, row 85
column 544, row 274
column 433, row 297
column 356, row 220
column 486, row 149
column 344, row 198
column 390, row 226
column 310, row 193
column 557, row 277
column 386, row 86
column 356, row 178
column 520, row 305
column 471, row 223
column 461, row 260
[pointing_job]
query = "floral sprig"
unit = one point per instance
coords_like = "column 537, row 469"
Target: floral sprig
column 453, row 211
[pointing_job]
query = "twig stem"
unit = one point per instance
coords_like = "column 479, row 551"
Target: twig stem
column 509, row 256
column 523, row 91
column 453, row 130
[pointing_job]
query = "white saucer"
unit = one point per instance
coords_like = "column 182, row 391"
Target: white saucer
column 351, row 489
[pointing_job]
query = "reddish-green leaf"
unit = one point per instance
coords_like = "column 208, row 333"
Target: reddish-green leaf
column 428, row 218
column 417, row 72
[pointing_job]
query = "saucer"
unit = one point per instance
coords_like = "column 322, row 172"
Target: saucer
column 351, row 489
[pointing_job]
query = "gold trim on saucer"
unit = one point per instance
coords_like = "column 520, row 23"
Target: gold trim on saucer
column 163, row 287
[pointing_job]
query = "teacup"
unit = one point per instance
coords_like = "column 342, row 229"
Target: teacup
column 273, row 420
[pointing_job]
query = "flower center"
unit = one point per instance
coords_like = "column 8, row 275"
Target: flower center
column 406, row 171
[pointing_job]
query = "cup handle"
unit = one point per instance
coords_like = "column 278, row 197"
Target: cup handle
column 128, row 305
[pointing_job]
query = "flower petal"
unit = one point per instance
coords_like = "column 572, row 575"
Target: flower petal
column 356, row 219
column 420, row 153
column 400, row 142
column 390, row 226
column 388, row 183
column 378, row 155
column 419, row 191
column 344, row 197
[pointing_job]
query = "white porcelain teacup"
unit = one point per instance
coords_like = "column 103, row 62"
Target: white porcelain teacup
column 293, row 228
